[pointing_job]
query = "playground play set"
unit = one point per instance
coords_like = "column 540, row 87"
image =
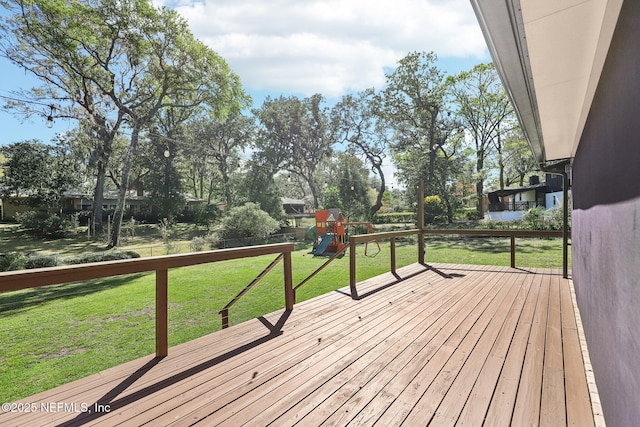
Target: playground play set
column 330, row 231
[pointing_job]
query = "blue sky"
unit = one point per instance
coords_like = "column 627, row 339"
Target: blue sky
column 291, row 47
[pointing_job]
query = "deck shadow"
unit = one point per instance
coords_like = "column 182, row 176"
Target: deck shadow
column 399, row 279
column 107, row 400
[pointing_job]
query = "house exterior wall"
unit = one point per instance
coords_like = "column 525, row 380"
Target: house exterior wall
column 504, row 215
column 606, row 225
column 10, row 208
column 553, row 200
column 526, row 196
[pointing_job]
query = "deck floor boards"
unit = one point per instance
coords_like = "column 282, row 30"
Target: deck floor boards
column 446, row 345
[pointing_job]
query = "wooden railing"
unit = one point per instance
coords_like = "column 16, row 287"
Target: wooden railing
column 363, row 238
column 512, row 234
column 225, row 310
column 319, row 269
column 25, row 279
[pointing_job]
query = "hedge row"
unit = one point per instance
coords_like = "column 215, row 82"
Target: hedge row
column 16, row 261
column 394, row 218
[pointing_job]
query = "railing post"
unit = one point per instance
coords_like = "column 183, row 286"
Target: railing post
column 393, row 256
column 162, row 307
column 289, row 294
column 352, row 269
column 513, row 251
column 225, row 318
column 420, row 224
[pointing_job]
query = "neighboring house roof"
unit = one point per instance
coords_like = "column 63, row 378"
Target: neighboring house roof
column 510, row 191
column 288, row 201
column 74, row 193
column 113, row 195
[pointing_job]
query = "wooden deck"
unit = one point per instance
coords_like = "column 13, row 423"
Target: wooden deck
column 486, row 345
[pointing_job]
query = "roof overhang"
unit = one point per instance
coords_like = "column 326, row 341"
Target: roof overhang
column 549, row 54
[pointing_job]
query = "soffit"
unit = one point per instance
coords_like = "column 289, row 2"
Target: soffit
column 551, row 52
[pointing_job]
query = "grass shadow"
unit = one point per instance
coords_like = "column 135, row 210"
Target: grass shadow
column 12, row 303
column 490, row 244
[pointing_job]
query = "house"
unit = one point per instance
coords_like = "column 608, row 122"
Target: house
column 75, row 200
column 571, row 70
column 511, row 204
column 294, row 207
column 10, row 206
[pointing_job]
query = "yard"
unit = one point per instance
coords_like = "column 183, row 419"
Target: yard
column 57, row 334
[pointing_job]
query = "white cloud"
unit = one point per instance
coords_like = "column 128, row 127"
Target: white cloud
column 329, row 46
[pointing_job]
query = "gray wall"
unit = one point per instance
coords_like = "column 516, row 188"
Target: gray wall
column 606, row 226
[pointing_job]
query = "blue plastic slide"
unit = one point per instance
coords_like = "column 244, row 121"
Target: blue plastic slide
column 326, row 241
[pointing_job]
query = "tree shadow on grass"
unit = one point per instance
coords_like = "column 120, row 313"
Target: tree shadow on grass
column 14, row 302
column 490, row 245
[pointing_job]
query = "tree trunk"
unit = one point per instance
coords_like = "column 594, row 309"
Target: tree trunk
column 98, row 194
column 114, row 239
column 314, row 193
column 432, row 144
column 378, row 204
column 479, row 191
column 225, row 182
column 500, row 161
column 449, row 210
column 479, row 182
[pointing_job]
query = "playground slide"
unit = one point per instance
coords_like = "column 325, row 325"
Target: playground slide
column 326, row 241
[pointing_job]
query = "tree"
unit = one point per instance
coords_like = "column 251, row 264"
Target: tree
column 413, row 104
column 47, row 39
column 38, row 172
column 483, row 107
column 294, row 137
column 216, row 148
column 518, row 160
column 134, row 59
column 354, row 122
column 350, row 179
column 163, row 180
column 331, row 198
column 258, row 186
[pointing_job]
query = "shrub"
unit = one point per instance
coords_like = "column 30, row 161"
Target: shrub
column 101, row 256
column 556, row 219
column 213, row 240
column 198, row 244
column 534, row 219
column 44, row 224
column 12, row 261
column 41, row 261
column 394, row 218
column 248, row 221
column 432, row 208
column 204, row 215
column 474, row 215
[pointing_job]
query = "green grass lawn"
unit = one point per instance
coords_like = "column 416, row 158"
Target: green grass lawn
column 57, row 334
column 147, row 240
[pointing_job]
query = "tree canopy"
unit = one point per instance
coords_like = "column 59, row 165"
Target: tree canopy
column 122, row 62
column 160, row 112
column 36, row 173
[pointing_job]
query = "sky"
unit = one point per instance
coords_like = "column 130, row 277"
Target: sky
column 301, row 47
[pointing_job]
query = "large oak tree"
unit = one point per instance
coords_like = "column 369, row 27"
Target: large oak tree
column 126, row 58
